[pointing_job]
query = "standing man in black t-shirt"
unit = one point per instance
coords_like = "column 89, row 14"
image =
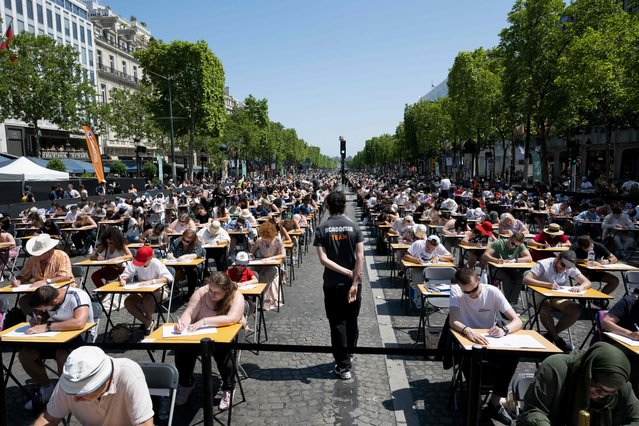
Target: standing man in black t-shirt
column 340, row 247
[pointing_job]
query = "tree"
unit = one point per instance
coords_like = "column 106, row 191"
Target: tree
column 197, row 88
column 47, row 83
column 149, row 170
column 56, row 164
column 129, row 115
column 532, row 46
column 118, row 168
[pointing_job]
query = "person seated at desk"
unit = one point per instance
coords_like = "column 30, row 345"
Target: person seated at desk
column 481, row 235
column 511, row 250
column 618, row 225
column 45, row 265
column 456, row 227
column 55, row 309
column 113, row 246
column 602, row 257
column 552, row 236
column 202, row 215
column 50, row 227
column 477, row 306
column 589, row 215
column 269, row 246
column 595, row 380
column 155, row 235
column 508, row 225
column 428, row 250
column 553, row 273
column 187, row 248
column 215, row 234
column 217, row 303
column 72, row 215
column 146, row 269
column 99, row 390
column 561, row 210
column 83, row 239
column 7, row 255
column 182, row 223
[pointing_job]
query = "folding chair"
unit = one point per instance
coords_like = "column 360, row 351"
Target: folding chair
column 162, row 380
column 630, row 280
column 433, row 277
column 520, row 385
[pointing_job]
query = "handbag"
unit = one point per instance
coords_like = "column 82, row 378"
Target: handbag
column 120, row 333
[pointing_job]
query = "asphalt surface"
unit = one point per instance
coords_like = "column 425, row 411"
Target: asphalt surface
column 300, row 388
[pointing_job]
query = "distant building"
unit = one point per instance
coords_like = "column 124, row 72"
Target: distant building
column 66, row 21
column 230, row 103
column 437, row 92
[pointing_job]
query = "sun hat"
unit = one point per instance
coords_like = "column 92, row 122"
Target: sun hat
column 41, row 244
column 485, row 228
column 143, row 254
column 242, row 258
column 568, row 258
column 246, row 214
column 408, row 218
column 85, row 370
column 433, row 239
column 33, row 210
column 235, row 211
column 214, row 227
column 420, row 231
column 553, row 229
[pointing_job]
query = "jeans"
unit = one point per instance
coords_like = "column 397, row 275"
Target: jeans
column 342, row 319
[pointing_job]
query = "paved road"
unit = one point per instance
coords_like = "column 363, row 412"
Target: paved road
column 300, row 388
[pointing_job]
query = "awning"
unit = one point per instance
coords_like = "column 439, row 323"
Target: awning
column 73, row 166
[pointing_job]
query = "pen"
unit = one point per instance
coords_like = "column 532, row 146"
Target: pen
column 636, row 326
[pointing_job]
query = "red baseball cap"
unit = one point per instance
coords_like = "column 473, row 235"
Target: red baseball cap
column 143, row 255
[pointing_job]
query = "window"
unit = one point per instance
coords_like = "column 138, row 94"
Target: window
column 40, row 31
column 7, row 4
column 67, row 30
column 84, row 56
column 50, row 18
column 103, row 93
column 40, row 13
column 135, row 73
column 19, row 7
column 124, row 68
column 20, row 27
column 89, row 38
column 99, row 59
column 59, row 40
column 92, row 76
column 75, row 31
column 112, row 63
column 31, row 29
column 58, row 23
column 82, row 37
column 90, row 57
column 30, row 9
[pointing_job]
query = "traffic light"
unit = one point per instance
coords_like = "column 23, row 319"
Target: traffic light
column 342, row 147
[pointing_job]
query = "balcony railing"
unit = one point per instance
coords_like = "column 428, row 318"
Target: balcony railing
column 115, row 44
column 127, row 78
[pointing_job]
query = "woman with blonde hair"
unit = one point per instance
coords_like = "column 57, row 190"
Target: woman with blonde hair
column 269, row 246
column 216, row 304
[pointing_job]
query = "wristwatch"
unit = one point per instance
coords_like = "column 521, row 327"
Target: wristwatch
column 49, row 282
column 506, row 331
column 49, row 326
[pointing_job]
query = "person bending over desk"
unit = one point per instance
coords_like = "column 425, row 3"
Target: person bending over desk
column 554, row 273
column 511, row 250
column 476, row 306
column 595, row 380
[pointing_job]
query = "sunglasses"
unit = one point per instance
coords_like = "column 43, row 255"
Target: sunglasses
column 187, row 241
column 473, row 290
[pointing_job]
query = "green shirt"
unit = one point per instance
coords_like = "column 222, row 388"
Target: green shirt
column 504, row 251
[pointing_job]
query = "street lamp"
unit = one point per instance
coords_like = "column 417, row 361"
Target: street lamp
column 139, row 149
column 203, row 159
column 168, row 81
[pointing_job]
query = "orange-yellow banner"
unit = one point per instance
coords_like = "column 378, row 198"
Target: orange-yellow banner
column 94, row 152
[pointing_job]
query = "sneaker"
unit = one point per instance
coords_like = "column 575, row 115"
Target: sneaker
column 183, row 393
column 561, row 344
column 500, row 414
column 225, row 402
column 45, row 396
column 343, row 373
column 418, row 302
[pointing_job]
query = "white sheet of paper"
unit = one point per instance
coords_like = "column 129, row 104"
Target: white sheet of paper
column 624, row 339
column 21, row 287
column 167, row 260
column 248, row 286
column 513, row 341
column 443, row 287
column 134, row 286
column 169, row 331
column 20, row 333
column 566, row 289
column 615, row 266
column 259, row 261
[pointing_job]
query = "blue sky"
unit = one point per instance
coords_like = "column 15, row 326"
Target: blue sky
column 329, row 68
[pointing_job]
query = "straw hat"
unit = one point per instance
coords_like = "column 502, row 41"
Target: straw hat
column 553, row 229
column 214, row 227
column 41, row 244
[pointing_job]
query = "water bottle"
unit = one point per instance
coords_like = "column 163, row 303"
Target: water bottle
column 164, row 408
column 591, row 257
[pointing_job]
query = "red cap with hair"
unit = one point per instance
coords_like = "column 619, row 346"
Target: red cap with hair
column 143, row 255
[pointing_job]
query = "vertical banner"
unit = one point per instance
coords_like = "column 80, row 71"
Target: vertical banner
column 536, row 166
column 160, row 168
column 94, row 153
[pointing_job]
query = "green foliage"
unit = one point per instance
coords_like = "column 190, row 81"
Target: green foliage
column 118, row 168
column 149, row 170
column 129, row 114
column 46, row 83
column 197, row 88
column 56, row 164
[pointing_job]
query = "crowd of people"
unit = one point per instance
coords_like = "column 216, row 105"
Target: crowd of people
column 438, row 220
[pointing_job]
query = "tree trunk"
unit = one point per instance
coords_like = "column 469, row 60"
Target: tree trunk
column 527, row 149
column 36, row 148
column 189, row 173
column 610, row 162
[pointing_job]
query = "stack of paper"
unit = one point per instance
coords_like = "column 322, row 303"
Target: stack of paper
column 135, row 286
column 169, row 331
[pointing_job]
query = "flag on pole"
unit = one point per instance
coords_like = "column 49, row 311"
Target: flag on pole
column 8, row 37
column 94, row 153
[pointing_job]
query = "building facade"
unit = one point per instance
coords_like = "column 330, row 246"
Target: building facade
column 66, row 21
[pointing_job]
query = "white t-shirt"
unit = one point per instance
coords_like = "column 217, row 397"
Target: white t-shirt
column 74, row 299
column 482, row 311
column 206, row 237
column 544, row 270
column 444, row 184
column 126, row 402
column 418, row 250
column 155, row 270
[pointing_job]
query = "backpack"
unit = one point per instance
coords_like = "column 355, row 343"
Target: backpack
column 13, row 316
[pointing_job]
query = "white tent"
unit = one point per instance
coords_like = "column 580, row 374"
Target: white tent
column 26, row 170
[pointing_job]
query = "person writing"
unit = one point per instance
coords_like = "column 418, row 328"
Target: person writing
column 216, row 304
column 595, row 380
column 511, row 250
column 476, row 306
column 185, row 249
